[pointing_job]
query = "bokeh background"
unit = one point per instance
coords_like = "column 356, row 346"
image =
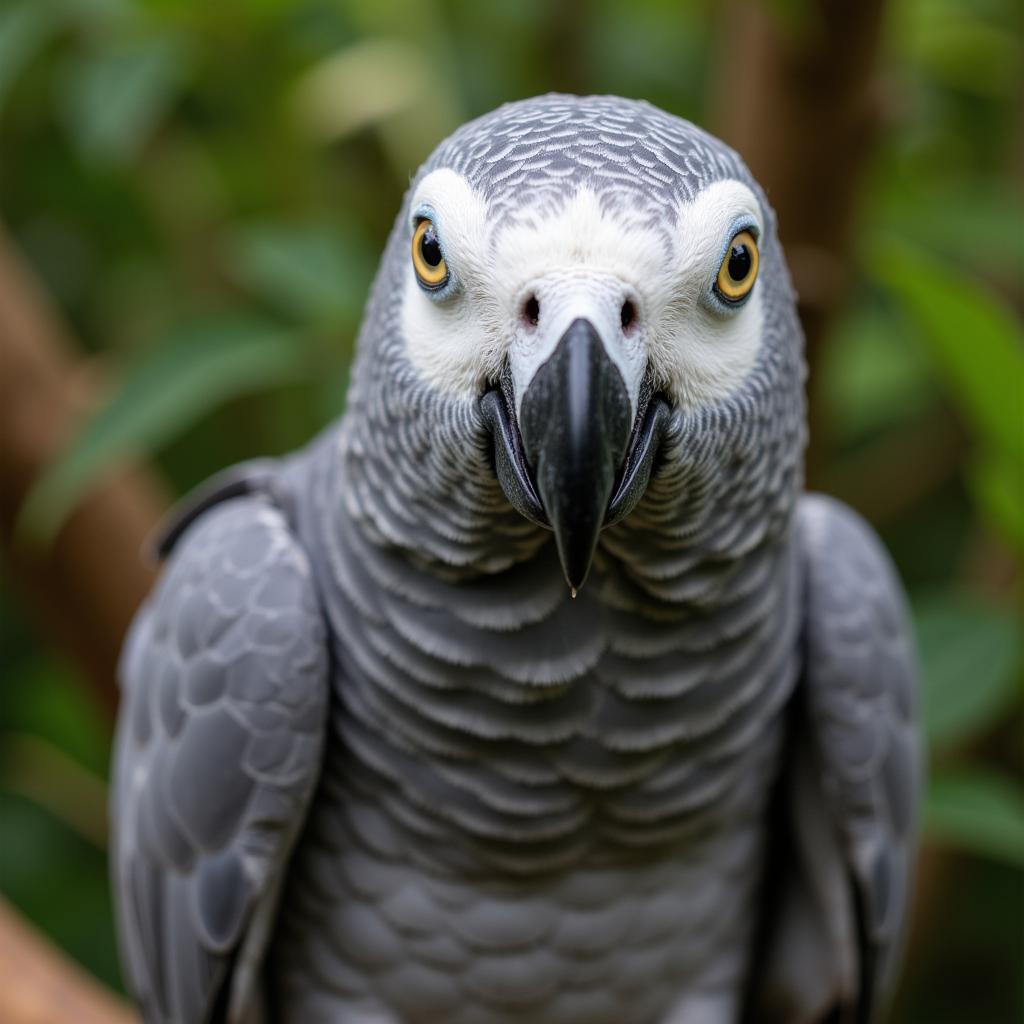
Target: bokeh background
column 193, row 196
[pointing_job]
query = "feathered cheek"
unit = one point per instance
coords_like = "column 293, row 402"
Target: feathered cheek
column 456, row 346
column 701, row 358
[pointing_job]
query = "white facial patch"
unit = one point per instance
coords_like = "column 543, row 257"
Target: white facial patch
column 457, row 343
column 581, row 260
column 700, row 352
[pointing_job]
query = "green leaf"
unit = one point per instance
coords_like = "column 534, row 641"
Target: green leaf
column 50, row 702
column 963, row 51
column 972, row 337
column 360, row 86
column 399, row 87
column 24, row 29
column 114, row 99
column 977, row 811
column 874, row 377
column 970, row 655
column 975, row 218
column 59, row 881
column 315, row 272
column 199, row 367
column 97, row 18
column 997, row 486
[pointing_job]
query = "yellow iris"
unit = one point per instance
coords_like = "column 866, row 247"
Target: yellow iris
column 738, row 271
column 427, row 258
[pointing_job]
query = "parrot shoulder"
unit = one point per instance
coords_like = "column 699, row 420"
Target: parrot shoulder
column 224, row 681
column 844, row 831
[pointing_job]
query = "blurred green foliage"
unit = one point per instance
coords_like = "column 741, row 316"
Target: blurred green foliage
column 205, row 188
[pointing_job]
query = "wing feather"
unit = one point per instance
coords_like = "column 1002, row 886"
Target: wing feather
column 224, row 679
column 841, row 876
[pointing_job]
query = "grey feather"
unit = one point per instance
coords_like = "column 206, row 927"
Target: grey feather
column 225, row 697
column 855, row 781
column 529, row 807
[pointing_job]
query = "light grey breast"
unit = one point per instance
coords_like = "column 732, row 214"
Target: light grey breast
column 501, row 746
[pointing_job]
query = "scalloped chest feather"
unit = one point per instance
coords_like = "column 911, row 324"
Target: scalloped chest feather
column 535, row 805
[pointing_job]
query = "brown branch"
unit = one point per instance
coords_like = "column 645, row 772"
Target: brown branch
column 800, row 102
column 83, row 590
column 40, row 986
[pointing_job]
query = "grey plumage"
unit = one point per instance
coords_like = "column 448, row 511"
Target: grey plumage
column 218, row 751
column 684, row 796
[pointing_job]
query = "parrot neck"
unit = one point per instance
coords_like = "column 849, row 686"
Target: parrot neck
column 448, row 518
column 708, row 515
column 702, row 523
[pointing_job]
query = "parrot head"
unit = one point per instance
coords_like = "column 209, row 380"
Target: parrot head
column 583, row 310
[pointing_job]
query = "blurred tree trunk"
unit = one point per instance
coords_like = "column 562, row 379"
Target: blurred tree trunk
column 798, row 97
column 38, row 985
column 82, row 590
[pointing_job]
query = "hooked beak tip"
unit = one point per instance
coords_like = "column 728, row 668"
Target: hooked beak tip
column 572, row 460
column 575, row 423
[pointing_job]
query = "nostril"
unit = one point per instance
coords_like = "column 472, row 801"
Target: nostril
column 531, row 310
column 628, row 315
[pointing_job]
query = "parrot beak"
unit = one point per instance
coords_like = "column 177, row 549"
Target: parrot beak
column 575, row 425
column 573, row 462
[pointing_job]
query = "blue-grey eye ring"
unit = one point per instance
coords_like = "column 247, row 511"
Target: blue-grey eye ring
column 427, row 256
column 738, row 271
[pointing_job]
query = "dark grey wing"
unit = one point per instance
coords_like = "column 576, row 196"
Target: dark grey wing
column 839, row 891
column 218, row 749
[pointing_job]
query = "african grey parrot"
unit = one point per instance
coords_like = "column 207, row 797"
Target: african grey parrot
column 383, row 758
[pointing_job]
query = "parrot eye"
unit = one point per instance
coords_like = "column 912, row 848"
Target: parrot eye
column 427, row 258
column 738, row 271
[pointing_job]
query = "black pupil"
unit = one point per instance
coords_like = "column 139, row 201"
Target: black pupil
column 739, row 262
column 430, row 248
